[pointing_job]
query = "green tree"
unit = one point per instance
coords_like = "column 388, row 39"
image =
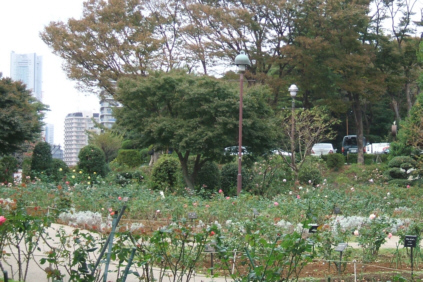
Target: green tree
column 8, row 165
column 108, row 142
column 111, row 40
column 411, row 129
column 92, row 160
column 20, row 116
column 196, row 116
column 41, row 158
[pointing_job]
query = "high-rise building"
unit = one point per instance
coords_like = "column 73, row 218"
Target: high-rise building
column 49, row 134
column 76, row 137
column 106, row 117
column 28, row 69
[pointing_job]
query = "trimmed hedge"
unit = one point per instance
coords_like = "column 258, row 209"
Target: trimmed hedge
column 129, row 157
column 335, row 161
column 398, row 161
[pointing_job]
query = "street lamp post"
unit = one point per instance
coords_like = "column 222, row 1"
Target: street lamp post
column 293, row 89
column 241, row 61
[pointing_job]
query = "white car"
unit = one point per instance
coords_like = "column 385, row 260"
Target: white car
column 280, row 152
column 322, row 149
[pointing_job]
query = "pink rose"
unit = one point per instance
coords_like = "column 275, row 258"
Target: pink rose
column 298, row 197
column 2, row 220
column 408, row 186
column 119, row 198
column 389, row 235
column 276, row 204
column 220, row 191
column 356, row 233
column 372, row 216
column 227, row 198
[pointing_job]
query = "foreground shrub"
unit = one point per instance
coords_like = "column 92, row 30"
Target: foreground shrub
column 335, row 161
column 92, row 160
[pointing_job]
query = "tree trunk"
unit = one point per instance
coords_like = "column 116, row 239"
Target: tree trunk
column 396, row 110
column 408, row 95
column 183, row 159
column 358, row 117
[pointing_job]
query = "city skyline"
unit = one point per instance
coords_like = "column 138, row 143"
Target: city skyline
column 23, row 38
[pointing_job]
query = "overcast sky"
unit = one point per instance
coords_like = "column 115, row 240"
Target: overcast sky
column 20, row 23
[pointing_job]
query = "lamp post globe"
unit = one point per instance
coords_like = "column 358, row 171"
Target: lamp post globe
column 241, row 61
column 293, row 89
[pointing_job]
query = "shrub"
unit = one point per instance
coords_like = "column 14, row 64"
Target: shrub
column 41, row 158
column 398, row 161
column 123, row 178
column 131, row 158
column 229, row 179
column 129, row 144
column 165, row 173
column 145, row 157
column 92, row 160
column 8, row 166
column 309, row 171
column 209, row 176
column 270, row 177
column 396, row 173
column 58, row 170
column 368, row 158
column 335, row 161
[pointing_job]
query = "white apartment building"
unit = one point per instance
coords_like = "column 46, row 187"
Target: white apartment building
column 27, row 68
column 106, row 117
column 76, row 137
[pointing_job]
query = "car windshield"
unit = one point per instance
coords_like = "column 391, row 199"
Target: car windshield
column 322, row 146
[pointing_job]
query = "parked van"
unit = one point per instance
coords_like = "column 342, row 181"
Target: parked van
column 349, row 144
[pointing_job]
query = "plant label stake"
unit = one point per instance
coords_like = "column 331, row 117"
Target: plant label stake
column 5, row 278
column 210, row 249
column 255, row 212
column 410, row 241
column 340, row 248
column 192, row 216
column 312, row 229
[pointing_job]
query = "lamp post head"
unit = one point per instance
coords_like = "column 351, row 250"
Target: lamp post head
column 293, row 89
column 242, row 61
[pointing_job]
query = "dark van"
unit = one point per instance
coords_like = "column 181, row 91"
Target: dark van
column 349, row 144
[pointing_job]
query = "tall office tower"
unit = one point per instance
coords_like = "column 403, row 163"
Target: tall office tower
column 49, row 133
column 76, row 137
column 28, row 69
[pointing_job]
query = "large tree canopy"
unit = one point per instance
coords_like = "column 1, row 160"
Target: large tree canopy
column 337, row 52
column 20, row 116
column 195, row 115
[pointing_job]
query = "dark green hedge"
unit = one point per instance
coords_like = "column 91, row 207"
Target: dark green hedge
column 129, row 157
